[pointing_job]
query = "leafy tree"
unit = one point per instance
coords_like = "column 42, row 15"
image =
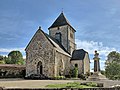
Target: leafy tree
column 73, row 72
column 15, row 57
column 112, row 70
column 113, row 57
column 7, row 61
column 2, row 61
column 102, row 72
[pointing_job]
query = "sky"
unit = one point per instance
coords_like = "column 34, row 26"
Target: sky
column 97, row 23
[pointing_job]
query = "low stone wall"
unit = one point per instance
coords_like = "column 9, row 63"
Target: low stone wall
column 59, row 89
column 12, row 71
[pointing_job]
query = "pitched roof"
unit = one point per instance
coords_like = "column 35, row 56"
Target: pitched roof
column 60, row 21
column 78, row 54
column 58, row 45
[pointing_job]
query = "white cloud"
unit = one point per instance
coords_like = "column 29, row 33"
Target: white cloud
column 91, row 46
column 24, row 56
column 101, row 61
column 7, row 50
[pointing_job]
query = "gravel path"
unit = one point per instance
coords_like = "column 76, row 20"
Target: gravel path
column 16, row 83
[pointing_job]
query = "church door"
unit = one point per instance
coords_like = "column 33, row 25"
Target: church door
column 39, row 68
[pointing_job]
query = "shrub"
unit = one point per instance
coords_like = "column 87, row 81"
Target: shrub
column 82, row 76
column 70, row 73
column 92, row 84
column 88, row 74
column 75, row 73
column 117, row 77
column 99, row 84
column 2, row 62
column 74, row 84
column 59, row 77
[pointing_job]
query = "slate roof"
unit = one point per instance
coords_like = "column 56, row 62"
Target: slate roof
column 60, row 21
column 57, row 44
column 78, row 54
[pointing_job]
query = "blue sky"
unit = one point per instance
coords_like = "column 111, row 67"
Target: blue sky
column 97, row 23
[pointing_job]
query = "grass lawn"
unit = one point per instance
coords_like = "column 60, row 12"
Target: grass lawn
column 71, row 85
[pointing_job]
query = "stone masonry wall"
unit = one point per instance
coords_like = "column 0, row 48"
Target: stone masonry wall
column 80, row 65
column 40, row 49
column 64, row 31
column 68, row 37
column 86, row 64
column 71, row 39
column 62, row 64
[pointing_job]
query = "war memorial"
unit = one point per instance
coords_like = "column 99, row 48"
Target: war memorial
column 97, row 74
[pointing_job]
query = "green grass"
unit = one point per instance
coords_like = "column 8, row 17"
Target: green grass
column 68, row 85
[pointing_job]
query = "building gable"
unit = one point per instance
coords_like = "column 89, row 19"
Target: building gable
column 39, row 38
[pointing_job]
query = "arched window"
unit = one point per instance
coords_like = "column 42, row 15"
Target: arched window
column 58, row 37
column 39, row 68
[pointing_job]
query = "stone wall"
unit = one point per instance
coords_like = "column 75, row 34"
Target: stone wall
column 64, row 31
column 80, row 65
column 62, row 64
column 68, row 36
column 40, row 50
column 86, row 64
column 12, row 71
column 71, row 39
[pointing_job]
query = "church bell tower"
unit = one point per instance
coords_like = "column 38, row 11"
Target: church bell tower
column 62, row 31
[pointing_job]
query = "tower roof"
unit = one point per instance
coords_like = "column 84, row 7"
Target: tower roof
column 60, row 21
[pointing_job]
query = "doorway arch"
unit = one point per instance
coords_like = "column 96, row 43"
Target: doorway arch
column 39, row 68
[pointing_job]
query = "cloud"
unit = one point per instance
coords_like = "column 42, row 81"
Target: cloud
column 91, row 46
column 101, row 61
column 7, row 50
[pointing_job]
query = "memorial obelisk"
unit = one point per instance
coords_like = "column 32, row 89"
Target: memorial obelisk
column 96, row 75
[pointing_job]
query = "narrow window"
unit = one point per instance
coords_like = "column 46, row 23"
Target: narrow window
column 58, row 37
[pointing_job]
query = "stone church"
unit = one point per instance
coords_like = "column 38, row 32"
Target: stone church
column 55, row 53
